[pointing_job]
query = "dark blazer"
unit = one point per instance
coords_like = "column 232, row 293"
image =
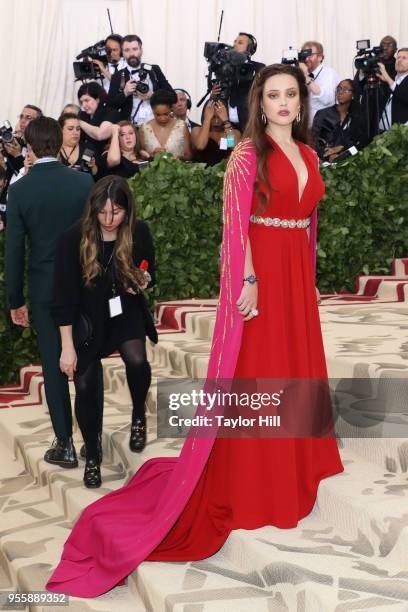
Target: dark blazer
column 239, row 97
column 327, row 130
column 399, row 102
column 118, row 100
column 72, row 297
column 41, row 206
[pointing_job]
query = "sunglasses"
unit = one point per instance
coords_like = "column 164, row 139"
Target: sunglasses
column 26, row 117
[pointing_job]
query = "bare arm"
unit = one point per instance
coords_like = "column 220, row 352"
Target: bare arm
column 102, row 132
column 248, row 299
column 113, row 157
column 187, row 144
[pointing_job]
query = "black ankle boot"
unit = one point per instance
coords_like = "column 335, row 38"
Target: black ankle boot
column 137, row 440
column 82, row 452
column 92, row 474
column 62, row 453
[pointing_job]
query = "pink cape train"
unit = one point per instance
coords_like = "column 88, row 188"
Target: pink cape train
column 117, row 532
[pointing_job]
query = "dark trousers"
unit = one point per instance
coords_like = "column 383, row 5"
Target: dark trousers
column 55, row 382
column 138, row 375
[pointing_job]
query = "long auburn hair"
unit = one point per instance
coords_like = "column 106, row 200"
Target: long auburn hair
column 256, row 129
column 115, row 189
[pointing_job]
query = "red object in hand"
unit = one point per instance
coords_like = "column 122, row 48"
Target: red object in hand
column 144, row 264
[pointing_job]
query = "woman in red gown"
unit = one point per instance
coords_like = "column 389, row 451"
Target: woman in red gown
column 243, row 482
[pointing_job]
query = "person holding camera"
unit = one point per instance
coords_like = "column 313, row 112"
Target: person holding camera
column 96, row 118
column 321, row 80
column 40, row 207
column 340, row 126
column 113, row 45
column 100, row 276
column 214, row 140
column 237, row 100
column 16, row 151
column 132, row 87
column 165, row 133
column 396, row 105
column 72, row 150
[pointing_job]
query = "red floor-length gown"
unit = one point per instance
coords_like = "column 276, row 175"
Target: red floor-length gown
column 250, row 482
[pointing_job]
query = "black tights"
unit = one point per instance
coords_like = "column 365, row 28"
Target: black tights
column 138, row 374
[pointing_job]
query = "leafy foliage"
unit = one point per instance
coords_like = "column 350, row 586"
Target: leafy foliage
column 182, row 203
column 362, row 226
column 363, row 216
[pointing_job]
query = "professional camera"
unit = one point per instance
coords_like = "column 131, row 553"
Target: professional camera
column 367, row 58
column 84, row 69
column 6, row 133
column 87, row 155
column 227, row 66
column 143, row 73
column 294, row 57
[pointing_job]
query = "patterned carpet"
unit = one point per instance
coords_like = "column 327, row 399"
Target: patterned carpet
column 349, row 554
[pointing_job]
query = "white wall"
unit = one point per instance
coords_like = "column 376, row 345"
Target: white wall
column 40, row 38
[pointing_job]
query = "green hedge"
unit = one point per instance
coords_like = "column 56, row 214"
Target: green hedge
column 362, row 226
column 363, row 216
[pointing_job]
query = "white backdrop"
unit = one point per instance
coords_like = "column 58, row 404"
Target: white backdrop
column 39, row 39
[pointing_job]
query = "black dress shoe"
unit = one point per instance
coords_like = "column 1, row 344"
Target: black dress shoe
column 82, row 452
column 137, row 440
column 62, row 453
column 92, row 474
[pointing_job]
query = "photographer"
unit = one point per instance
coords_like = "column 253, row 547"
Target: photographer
column 396, row 106
column 321, row 80
column 96, row 118
column 132, row 87
column 340, row 126
column 216, row 138
column 245, row 44
column 388, row 46
column 15, row 152
column 113, row 44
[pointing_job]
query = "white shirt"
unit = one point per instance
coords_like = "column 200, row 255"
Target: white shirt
column 141, row 109
column 111, row 67
column 22, row 171
column 327, row 79
column 386, row 118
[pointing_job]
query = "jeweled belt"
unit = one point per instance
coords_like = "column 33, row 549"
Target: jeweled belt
column 276, row 222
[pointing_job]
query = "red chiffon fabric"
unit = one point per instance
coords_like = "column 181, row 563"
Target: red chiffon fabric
column 249, row 483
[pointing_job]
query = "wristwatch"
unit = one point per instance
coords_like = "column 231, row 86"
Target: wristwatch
column 251, row 279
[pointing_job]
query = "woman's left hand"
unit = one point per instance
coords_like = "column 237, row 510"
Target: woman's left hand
column 318, row 296
column 92, row 166
column 248, row 300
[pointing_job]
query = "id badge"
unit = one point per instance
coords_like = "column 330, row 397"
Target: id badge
column 223, row 144
column 115, row 306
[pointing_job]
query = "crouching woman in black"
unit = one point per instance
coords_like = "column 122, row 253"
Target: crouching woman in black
column 100, row 307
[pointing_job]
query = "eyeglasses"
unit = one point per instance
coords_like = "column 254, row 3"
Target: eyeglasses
column 26, row 117
column 343, row 90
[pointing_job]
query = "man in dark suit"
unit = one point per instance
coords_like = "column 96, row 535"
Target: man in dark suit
column 125, row 88
column 396, row 107
column 41, row 205
column 238, row 101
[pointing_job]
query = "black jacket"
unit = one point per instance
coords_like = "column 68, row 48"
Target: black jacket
column 239, row 97
column 118, row 100
column 327, row 130
column 72, row 297
column 399, row 102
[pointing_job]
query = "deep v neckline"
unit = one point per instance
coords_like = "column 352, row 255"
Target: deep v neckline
column 300, row 195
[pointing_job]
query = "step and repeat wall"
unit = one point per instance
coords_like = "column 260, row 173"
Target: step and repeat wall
column 39, row 39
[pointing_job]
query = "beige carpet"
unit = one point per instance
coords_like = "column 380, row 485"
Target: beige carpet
column 349, row 554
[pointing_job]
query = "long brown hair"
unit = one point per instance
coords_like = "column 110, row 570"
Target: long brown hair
column 256, row 129
column 116, row 189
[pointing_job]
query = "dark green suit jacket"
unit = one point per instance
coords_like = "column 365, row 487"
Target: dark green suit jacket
column 40, row 207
